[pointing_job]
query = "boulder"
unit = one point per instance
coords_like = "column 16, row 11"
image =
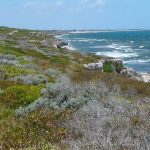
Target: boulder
column 129, row 72
column 95, row 66
column 60, row 44
column 145, row 77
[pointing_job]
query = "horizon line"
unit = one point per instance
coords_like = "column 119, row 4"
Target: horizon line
column 90, row 29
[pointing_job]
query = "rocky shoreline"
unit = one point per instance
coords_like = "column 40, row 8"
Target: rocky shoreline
column 117, row 65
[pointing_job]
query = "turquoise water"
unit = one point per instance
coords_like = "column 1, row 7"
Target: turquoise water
column 131, row 46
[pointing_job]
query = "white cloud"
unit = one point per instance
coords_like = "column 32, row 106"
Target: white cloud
column 76, row 6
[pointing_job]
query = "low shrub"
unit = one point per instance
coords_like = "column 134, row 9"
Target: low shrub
column 40, row 129
column 11, row 71
column 61, row 62
column 109, row 124
column 6, row 83
column 108, row 67
column 110, row 79
column 65, row 94
column 31, row 67
column 8, row 60
column 5, row 113
column 20, row 95
column 34, row 79
column 53, row 73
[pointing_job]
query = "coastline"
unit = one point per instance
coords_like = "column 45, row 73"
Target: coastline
column 130, row 72
column 65, row 44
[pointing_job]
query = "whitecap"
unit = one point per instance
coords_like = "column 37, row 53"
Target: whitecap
column 128, row 50
column 125, row 48
column 99, row 46
column 91, row 31
column 90, row 40
column 144, row 61
column 69, row 47
column 142, row 46
column 139, row 61
column 131, row 41
column 117, row 54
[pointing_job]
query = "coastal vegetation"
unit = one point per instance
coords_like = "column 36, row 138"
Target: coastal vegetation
column 49, row 100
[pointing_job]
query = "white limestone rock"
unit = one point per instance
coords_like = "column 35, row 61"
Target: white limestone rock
column 95, row 66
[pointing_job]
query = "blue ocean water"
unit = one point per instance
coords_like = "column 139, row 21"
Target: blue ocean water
column 131, row 46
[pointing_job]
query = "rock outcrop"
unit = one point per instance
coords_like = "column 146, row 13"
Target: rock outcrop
column 129, row 72
column 145, row 77
column 117, row 66
column 95, row 66
column 60, row 44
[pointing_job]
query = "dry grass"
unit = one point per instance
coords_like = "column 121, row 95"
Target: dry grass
column 83, row 75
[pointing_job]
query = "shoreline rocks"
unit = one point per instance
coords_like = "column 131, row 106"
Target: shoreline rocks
column 60, row 44
column 145, row 77
column 131, row 73
column 115, row 64
column 118, row 67
column 95, row 66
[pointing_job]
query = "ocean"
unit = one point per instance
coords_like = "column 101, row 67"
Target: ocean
column 131, row 46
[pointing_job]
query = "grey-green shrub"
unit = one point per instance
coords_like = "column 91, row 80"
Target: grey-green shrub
column 8, row 60
column 111, row 124
column 66, row 94
column 34, row 79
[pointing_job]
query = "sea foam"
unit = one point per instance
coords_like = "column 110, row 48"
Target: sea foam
column 116, row 54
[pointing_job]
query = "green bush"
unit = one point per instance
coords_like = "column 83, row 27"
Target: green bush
column 21, row 95
column 11, row 71
column 108, row 67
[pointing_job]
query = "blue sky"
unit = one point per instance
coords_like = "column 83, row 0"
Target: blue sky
column 75, row 14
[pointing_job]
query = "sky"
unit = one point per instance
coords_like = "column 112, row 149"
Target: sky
column 75, row 14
